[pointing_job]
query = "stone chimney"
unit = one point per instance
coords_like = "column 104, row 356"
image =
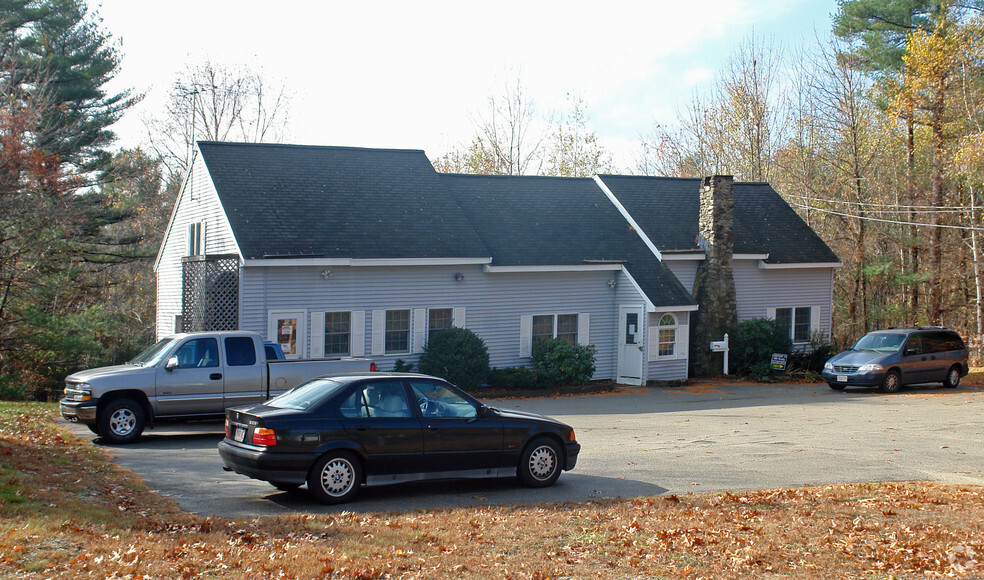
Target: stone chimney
column 714, row 284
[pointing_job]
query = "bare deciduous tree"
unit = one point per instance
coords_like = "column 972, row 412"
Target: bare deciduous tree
column 217, row 103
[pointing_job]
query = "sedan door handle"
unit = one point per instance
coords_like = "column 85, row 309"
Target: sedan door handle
column 215, row 376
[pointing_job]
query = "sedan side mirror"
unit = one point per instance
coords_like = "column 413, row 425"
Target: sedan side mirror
column 172, row 363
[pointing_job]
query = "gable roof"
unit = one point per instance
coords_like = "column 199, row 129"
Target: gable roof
column 535, row 221
column 666, row 209
column 337, row 202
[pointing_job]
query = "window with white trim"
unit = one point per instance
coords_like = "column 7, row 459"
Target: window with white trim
column 667, row 335
column 797, row 321
column 338, row 333
column 439, row 319
column 397, row 335
column 562, row 326
column 573, row 327
column 196, row 239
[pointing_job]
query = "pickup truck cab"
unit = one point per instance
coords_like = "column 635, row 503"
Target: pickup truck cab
column 186, row 376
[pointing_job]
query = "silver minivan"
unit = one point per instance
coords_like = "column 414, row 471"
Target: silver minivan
column 889, row 359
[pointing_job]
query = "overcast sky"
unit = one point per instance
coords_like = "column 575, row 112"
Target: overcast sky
column 417, row 74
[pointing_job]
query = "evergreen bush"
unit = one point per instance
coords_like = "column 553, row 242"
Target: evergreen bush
column 754, row 343
column 558, row 362
column 458, row 356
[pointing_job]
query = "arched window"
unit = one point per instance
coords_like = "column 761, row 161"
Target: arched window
column 667, row 335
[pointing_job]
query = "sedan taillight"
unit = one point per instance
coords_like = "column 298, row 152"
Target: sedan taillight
column 264, row 436
column 227, row 426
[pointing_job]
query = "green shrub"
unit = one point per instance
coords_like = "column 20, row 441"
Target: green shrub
column 558, row 362
column 11, row 389
column 812, row 360
column 458, row 356
column 513, row 378
column 754, row 343
column 402, row 366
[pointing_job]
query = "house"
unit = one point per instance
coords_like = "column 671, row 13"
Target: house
column 339, row 251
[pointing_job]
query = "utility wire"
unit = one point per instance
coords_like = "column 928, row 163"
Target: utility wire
column 881, row 220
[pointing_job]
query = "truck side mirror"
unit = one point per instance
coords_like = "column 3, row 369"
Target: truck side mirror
column 172, row 363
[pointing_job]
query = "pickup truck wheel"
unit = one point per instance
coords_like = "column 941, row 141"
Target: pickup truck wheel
column 335, row 477
column 122, row 421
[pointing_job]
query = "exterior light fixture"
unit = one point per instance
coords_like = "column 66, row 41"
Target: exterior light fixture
column 458, row 276
column 612, row 283
column 326, row 274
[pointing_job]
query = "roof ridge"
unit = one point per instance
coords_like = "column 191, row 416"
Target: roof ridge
column 303, row 146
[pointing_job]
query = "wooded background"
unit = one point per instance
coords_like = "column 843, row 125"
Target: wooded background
column 873, row 133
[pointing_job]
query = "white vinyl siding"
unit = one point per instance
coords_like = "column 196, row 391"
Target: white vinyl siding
column 197, row 203
column 761, row 291
column 491, row 304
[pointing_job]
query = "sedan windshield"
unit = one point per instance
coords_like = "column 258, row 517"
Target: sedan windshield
column 306, row 395
column 881, row 342
column 154, row 354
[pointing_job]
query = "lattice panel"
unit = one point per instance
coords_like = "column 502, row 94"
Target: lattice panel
column 210, row 293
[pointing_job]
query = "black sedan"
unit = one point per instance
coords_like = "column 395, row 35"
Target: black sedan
column 338, row 433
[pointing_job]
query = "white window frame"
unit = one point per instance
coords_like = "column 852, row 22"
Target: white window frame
column 421, row 325
column 660, row 327
column 196, row 239
column 526, row 330
column 681, row 346
column 814, row 321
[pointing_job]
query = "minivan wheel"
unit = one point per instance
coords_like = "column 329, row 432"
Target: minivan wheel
column 892, row 382
column 952, row 377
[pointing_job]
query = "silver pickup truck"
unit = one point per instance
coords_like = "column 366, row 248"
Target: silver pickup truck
column 187, row 376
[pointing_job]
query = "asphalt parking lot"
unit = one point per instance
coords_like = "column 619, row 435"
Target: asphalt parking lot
column 640, row 442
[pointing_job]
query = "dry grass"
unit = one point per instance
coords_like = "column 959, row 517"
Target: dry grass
column 69, row 512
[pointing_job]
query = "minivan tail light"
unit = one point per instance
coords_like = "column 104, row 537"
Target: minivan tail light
column 264, row 436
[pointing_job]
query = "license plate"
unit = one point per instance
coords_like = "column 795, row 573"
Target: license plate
column 841, row 378
column 240, row 434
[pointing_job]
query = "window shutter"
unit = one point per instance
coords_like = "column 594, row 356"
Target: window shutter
column 525, row 335
column 583, row 325
column 814, row 319
column 653, row 353
column 378, row 332
column 357, row 341
column 770, row 313
column 201, row 239
column 458, row 318
column 683, row 340
column 317, row 334
column 419, row 325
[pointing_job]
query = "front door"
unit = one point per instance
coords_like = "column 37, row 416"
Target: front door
column 287, row 328
column 631, row 345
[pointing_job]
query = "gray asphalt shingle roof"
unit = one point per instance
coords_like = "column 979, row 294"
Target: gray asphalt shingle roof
column 666, row 209
column 337, row 202
column 529, row 221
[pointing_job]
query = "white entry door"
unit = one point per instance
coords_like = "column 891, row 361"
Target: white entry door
column 630, row 350
column 288, row 329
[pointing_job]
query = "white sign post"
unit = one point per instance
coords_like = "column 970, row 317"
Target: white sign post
column 721, row 346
